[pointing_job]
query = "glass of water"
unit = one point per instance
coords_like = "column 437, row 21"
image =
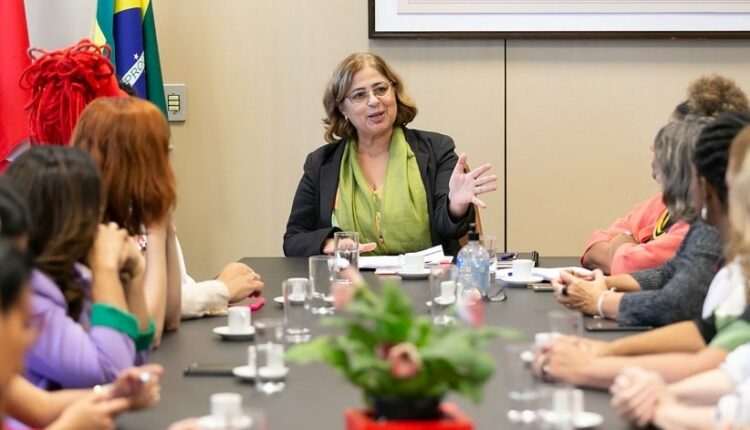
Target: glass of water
column 270, row 369
column 297, row 295
column 346, row 250
column 321, row 277
column 521, row 387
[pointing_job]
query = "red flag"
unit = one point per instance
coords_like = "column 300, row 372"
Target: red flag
column 14, row 123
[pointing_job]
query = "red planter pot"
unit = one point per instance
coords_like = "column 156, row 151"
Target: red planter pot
column 453, row 419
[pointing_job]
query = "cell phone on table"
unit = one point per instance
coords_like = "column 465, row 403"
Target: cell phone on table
column 611, row 325
column 209, row 369
column 542, row 287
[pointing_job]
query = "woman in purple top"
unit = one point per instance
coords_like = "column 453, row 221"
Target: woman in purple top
column 88, row 303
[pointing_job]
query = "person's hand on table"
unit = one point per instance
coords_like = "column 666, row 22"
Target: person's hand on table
column 328, row 246
column 241, row 281
column 92, row 412
column 636, row 394
column 561, row 359
column 576, row 293
column 465, row 187
column 139, row 385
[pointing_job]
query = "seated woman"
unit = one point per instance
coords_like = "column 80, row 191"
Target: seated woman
column 681, row 349
column 403, row 190
column 642, row 396
column 64, row 409
column 88, row 301
column 129, row 140
column 675, row 291
column 649, row 235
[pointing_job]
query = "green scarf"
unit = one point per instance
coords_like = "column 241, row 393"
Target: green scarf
column 398, row 220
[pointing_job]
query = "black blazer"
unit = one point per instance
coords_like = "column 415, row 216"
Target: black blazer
column 309, row 222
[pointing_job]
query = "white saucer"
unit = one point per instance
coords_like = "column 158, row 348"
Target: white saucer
column 273, row 372
column 246, row 373
column 224, row 332
column 506, row 276
column 582, row 420
column 445, row 301
column 418, row 274
column 280, row 300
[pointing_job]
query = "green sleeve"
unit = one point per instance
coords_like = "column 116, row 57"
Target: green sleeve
column 145, row 338
column 732, row 335
column 109, row 316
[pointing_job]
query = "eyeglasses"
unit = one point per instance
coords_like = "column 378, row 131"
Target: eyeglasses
column 379, row 90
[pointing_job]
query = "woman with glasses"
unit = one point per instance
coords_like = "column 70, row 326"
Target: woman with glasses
column 403, row 190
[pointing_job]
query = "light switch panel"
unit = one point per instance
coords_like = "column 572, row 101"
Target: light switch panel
column 176, row 96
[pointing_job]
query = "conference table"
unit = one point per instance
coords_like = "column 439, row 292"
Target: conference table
column 316, row 396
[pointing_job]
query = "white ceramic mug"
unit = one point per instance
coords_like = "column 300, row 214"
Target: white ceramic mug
column 239, row 319
column 413, row 263
column 447, row 290
column 522, row 269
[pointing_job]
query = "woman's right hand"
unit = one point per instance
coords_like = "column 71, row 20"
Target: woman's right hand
column 107, row 250
column 91, row 412
column 328, row 246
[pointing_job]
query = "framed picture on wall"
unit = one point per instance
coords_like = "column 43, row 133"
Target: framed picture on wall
column 553, row 19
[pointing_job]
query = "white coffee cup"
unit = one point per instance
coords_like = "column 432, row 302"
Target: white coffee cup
column 251, row 356
column 238, row 319
column 522, row 269
column 298, row 289
column 227, row 406
column 413, row 263
column 275, row 356
column 447, row 290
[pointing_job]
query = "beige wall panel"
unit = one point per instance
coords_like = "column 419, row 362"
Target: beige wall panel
column 581, row 117
column 255, row 72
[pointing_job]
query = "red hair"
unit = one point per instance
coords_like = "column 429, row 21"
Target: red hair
column 129, row 140
column 62, row 84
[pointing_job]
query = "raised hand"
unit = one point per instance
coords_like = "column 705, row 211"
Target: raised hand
column 465, row 187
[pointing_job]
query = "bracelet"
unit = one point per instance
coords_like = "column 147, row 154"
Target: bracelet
column 600, row 302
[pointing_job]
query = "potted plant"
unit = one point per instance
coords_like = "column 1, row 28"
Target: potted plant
column 403, row 364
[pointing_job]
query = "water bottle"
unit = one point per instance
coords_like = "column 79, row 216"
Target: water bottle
column 473, row 262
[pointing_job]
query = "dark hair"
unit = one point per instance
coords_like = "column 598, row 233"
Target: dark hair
column 14, row 271
column 14, row 216
column 681, row 110
column 63, row 191
column 712, row 150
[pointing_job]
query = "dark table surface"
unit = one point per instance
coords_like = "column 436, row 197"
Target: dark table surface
column 316, row 396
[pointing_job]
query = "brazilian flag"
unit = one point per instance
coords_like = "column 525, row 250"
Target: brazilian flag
column 127, row 26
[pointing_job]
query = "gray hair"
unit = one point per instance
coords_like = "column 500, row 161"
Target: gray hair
column 673, row 154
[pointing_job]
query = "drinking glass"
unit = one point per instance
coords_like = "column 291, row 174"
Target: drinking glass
column 346, row 250
column 297, row 294
column 443, row 293
column 321, row 277
column 270, row 370
column 566, row 323
column 521, row 387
